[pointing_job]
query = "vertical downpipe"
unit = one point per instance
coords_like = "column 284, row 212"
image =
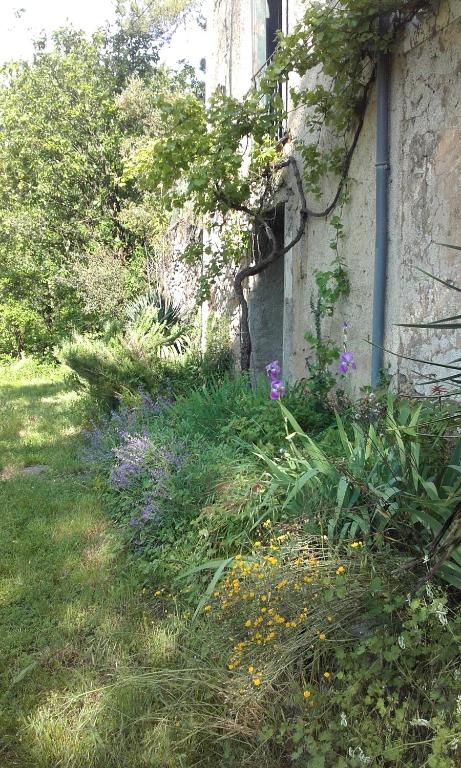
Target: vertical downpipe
column 382, row 205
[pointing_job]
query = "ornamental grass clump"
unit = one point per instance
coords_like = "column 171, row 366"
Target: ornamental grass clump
column 331, row 659
column 285, row 601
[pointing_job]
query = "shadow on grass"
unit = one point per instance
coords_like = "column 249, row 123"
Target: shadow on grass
column 71, row 617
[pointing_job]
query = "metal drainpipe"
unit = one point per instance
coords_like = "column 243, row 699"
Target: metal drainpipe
column 382, row 205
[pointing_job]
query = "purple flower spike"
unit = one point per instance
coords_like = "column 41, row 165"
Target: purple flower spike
column 346, row 363
column 278, row 390
column 273, row 370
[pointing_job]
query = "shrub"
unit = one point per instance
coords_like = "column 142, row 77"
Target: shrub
column 109, row 368
column 22, row 329
column 234, row 411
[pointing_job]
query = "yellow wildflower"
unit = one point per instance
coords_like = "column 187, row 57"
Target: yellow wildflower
column 327, row 675
column 257, row 544
column 158, row 593
column 251, row 670
column 306, row 694
column 340, row 570
column 322, row 636
column 248, row 623
column 207, row 608
column 256, row 681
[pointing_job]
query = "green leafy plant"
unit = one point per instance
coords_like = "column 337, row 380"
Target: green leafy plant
column 384, row 482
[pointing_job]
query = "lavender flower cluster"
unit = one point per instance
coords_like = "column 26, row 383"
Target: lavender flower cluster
column 277, row 387
column 138, row 456
column 123, row 441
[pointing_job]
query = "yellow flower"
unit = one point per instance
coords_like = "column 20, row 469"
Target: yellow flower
column 306, row 694
column 251, row 670
column 322, row 636
column 256, row 681
column 264, row 598
column 327, row 675
column 157, row 593
column 207, row 608
column 330, row 619
column 257, row 544
column 230, row 666
column 238, row 557
column 267, row 524
column 340, row 570
column 248, row 623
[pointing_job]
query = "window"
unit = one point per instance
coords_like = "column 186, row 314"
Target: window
column 273, row 25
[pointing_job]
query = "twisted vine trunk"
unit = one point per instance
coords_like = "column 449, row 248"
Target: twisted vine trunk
column 276, row 251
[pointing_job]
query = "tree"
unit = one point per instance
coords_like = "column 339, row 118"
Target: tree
column 64, row 134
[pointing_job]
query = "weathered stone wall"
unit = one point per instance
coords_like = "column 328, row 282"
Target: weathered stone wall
column 425, row 195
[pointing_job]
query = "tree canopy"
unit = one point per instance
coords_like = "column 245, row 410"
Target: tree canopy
column 68, row 120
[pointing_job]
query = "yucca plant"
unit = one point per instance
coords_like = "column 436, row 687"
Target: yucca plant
column 155, row 327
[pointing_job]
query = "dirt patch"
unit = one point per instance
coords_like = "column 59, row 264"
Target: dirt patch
column 36, row 469
column 8, row 472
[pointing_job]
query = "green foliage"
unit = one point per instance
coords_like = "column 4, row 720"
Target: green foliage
column 131, row 356
column 108, row 368
column 225, row 157
column 72, row 250
column 329, row 661
column 21, row 328
column 386, row 480
column 72, row 604
column 59, row 153
column 310, row 647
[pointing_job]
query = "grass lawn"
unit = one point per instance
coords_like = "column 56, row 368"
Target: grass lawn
column 73, row 623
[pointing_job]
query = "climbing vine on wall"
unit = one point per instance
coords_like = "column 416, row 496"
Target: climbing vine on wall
column 227, row 161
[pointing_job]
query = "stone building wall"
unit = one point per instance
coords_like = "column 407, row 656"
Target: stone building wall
column 425, row 197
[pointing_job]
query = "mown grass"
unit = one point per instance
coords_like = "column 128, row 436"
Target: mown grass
column 72, row 616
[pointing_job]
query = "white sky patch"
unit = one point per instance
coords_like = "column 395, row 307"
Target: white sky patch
column 22, row 21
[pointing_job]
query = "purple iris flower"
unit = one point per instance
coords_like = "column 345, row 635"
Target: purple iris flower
column 346, row 363
column 273, row 370
column 278, row 390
